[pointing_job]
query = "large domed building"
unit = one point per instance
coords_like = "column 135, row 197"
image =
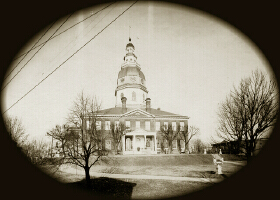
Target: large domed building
column 133, row 109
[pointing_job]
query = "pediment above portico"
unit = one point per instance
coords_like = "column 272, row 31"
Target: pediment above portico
column 138, row 113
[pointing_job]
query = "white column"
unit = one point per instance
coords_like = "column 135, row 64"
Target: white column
column 123, row 144
column 133, row 142
column 155, row 139
column 144, row 141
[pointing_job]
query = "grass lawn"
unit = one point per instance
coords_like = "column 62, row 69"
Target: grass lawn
column 141, row 188
column 152, row 189
column 200, row 166
column 198, row 171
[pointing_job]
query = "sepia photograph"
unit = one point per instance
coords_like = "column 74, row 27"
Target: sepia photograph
column 140, row 100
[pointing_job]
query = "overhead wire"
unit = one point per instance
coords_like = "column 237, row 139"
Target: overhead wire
column 85, row 34
column 36, row 52
column 70, row 57
column 30, row 50
column 67, row 29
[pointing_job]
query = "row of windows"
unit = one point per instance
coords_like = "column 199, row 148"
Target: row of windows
column 131, row 60
column 164, row 144
column 173, row 124
column 127, row 124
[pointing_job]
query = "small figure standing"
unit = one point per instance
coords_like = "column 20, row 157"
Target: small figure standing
column 220, row 152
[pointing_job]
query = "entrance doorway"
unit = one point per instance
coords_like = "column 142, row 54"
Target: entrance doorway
column 128, row 143
column 139, row 143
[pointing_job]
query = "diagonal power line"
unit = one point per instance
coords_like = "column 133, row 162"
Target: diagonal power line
column 25, row 54
column 36, row 52
column 85, row 34
column 67, row 29
column 70, row 57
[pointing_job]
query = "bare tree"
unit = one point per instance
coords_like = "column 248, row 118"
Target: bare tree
column 59, row 133
column 249, row 111
column 16, row 130
column 186, row 134
column 198, row 146
column 36, row 151
column 117, row 131
column 85, row 143
column 169, row 135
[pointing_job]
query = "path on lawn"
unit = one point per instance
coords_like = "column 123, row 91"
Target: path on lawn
column 241, row 163
column 134, row 176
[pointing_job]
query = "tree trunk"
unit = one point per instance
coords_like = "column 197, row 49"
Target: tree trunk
column 87, row 176
column 179, row 146
column 250, row 149
column 86, row 167
column 186, row 147
column 116, row 148
column 238, row 146
column 170, row 147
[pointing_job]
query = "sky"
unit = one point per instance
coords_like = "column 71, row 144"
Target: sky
column 191, row 60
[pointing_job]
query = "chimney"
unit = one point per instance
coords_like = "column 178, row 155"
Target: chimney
column 148, row 104
column 123, row 99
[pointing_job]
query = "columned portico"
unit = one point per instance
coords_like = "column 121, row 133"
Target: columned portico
column 143, row 142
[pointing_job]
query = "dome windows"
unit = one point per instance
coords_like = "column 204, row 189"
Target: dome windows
column 130, row 59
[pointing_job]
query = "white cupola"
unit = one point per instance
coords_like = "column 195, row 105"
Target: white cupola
column 131, row 82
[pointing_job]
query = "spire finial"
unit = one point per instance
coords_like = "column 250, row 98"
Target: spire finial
column 129, row 34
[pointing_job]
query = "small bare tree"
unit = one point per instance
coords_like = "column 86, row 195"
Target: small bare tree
column 117, row 131
column 249, row 111
column 16, row 130
column 36, row 151
column 169, row 135
column 198, row 146
column 186, row 134
column 88, row 137
column 59, row 133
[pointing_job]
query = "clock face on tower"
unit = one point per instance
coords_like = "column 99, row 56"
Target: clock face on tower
column 133, row 79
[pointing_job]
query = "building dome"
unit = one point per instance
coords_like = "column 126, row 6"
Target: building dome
column 142, row 75
column 130, row 45
column 131, row 81
column 131, row 71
